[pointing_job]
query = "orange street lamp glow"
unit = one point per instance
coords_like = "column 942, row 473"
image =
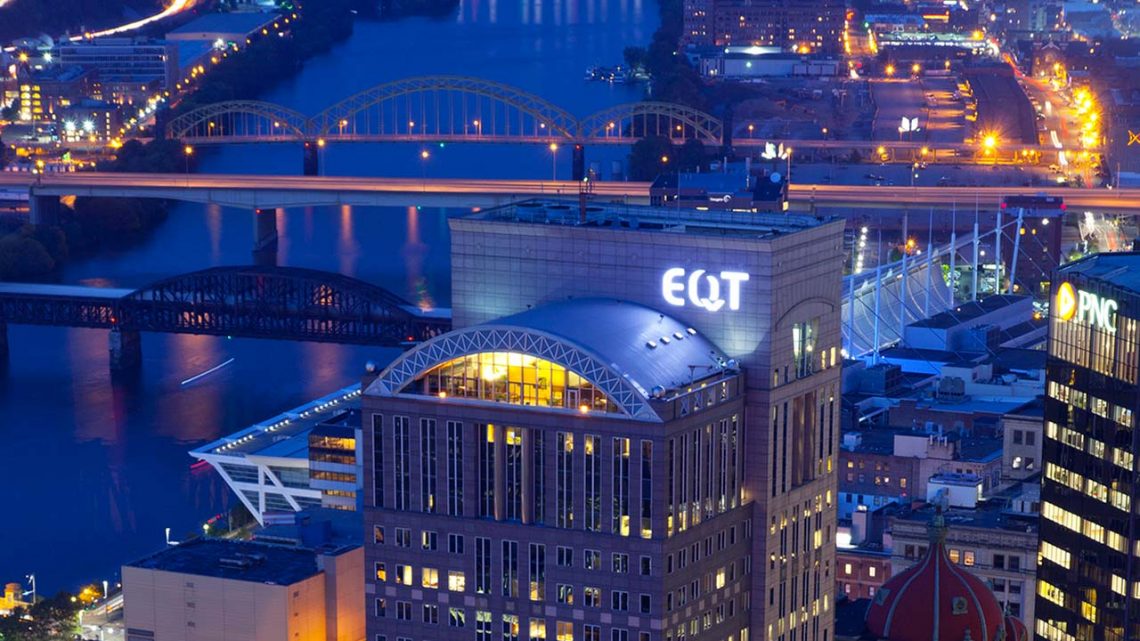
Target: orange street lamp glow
column 890, row 70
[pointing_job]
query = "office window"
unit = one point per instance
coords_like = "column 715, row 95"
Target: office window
column 482, row 565
column 803, row 346
column 646, row 604
column 403, row 537
column 999, row 561
column 564, row 631
column 378, row 534
column 431, row 613
column 537, row 572
column 402, row 471
column 646, row 566
column 565, row 557
column 968, row 557
column 429, row 578
column 456, row 581
column 592, row 560
column 404, row 610
column 619, row 634
column 381, row 572
column 619, row 600
column 538, row 479
column 403, row 575
column 378, row 462
column 1017, row 437
column 483, row 626
column 564, row 481
column 454, row 468
column 591, row 632
column 592, row 597
column 380, row 607
column 427, row 466
column 487, row 471
column 647, row 489
column 566, row 594
column 592, row 451
column 456, row 617
column 510, row 627
column 510, row 569
column 428, row 540
column 537, row 629
column 620, row 562
column 455, row 544
column 513, row 473
column 620, row 522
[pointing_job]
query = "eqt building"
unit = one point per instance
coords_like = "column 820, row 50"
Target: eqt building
column 630, row 433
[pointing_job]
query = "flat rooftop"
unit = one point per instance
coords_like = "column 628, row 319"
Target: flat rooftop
column 966, row 312
column 234, row 560
column 1121, row 270
column 287, row 434
column 651, row 219
column 991, row 514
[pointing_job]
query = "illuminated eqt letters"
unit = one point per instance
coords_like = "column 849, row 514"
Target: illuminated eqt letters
column 702, row 289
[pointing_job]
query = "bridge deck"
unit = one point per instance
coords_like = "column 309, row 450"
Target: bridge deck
column 63, row 291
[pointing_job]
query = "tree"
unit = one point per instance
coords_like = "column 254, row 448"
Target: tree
column 691, row 156
column 23, row 257
column 650, row 157
column 635, row 58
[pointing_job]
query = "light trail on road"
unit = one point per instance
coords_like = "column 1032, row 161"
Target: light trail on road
column 176, row 7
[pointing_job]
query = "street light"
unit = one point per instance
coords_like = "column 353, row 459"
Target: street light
column 424, row 155
column 890, row 70
column 915, row 69
column 187, row 151
column 554, row 161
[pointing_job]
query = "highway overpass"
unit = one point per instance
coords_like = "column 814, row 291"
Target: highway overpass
column 266, row 192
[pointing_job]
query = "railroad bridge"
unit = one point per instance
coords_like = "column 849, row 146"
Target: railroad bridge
column 280, row 303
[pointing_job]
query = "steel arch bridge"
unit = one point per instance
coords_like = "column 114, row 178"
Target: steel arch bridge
column 444, row 109
column 283, row 303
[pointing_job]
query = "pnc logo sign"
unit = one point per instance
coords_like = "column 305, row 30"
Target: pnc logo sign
column 1066, row 302
column 702, row 289
column 1086, row 307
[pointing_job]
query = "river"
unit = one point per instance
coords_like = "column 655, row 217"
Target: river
column 95, row 469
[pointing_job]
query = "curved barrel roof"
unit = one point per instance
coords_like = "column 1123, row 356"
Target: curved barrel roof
column 625, row 349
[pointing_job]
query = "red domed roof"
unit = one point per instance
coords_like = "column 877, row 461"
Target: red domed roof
column 1015, row 630
column 935, row 600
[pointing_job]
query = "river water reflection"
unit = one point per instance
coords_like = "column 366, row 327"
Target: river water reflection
column 94, row 469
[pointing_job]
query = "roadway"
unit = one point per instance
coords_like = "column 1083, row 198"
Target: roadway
column 252, row 191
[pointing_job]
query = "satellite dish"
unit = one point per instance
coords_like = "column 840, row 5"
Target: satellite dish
column 775, row 177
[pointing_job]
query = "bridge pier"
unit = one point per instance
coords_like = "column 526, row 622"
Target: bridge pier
column 43, row 210
column 265, row 237
column 126, row 350
column 578, row 163
column 311, row 161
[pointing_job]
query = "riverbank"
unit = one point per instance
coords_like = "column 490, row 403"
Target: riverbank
column 29, row 18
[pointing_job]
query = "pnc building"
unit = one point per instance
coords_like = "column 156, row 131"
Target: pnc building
column 1088, row 585
column 630, row 433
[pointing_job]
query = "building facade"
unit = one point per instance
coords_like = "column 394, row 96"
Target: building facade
column 569, row 461
column 792, row 25
column 1089, row 582
column 244, row 591
column 993, row 543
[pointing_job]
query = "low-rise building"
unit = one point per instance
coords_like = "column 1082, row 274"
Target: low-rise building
column 997, row 541
column 1021, row 445
column 246, row 591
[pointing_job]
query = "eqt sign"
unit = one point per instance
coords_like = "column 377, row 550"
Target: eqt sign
column 702, row 289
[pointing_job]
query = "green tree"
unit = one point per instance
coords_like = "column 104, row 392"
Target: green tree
column 23, row 257
column 650, row 157
column 691, row 156
column 635, row 58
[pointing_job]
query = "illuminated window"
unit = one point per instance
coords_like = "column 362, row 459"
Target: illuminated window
column 511, row 377
column 429, row 578
column 456, row 581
